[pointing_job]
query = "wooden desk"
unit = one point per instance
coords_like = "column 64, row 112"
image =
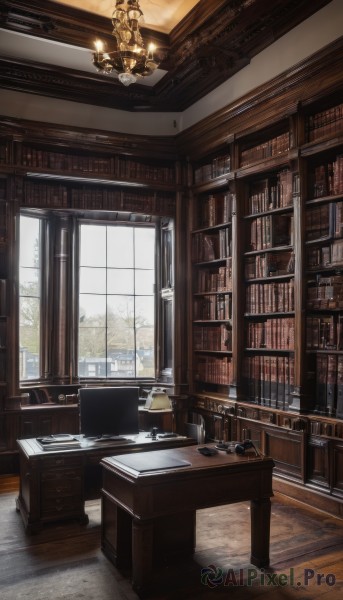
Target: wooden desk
column 148, row 516
column 55, row 484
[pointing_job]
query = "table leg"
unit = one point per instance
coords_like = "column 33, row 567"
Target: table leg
column 142, row 554
column 260, row 531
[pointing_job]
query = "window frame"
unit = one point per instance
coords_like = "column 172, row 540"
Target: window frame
column 60, row 294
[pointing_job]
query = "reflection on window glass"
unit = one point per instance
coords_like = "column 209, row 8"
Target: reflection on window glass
column 29, row 298
column 117, row 302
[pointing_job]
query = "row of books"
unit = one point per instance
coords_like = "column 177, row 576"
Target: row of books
column 212, row 338
column 327, row 179
column 216, row 307
column 325, row 293
column 212, row 369
column 271, row 231
column 218, row 279
column 269, row 264
column 269, row 380
column 207, row 247
column 330, row 255
column 35, row 158
column 220, row 165
column 326, row 123
column 52, row 195
column 270, row 297
column 273, row 147
column 131, row 169
column 97, row 198
column 271, row 334
column 329, row 384
column 324, row 332
column 215, row 210
column 325, row 220
column 267, row 194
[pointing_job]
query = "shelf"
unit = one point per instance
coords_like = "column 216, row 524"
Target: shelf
column 269, row 315
column 265, row 165
column 324, row 200
column 320, row 146
column 217, row 261
column 273, row 211
column 276, row 351
column 208, row 321
column 213, row 293
column 269, row 250
column 213, row 228
column 222, row 352
column 214, row 184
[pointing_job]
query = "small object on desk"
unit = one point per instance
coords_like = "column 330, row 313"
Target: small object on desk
column 112, row 438
column 150, row 461
column 57, row 438
column 158, row 399
column 166, row 435
column 205, row 451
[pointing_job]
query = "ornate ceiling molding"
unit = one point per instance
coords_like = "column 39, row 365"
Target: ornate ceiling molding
column 204, row 50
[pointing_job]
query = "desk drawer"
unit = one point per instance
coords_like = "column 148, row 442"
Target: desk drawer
column 62, row 487
column 61, row 474
column 59, row 462
column 57, row 508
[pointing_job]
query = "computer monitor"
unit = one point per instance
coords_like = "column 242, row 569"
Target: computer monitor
column 107, row 412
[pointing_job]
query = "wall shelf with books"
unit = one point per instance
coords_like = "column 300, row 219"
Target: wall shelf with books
column 324, row 119
column 211, row 308
column 78, row 162
column 269, row 303
column 40, row 193
column 324, row 264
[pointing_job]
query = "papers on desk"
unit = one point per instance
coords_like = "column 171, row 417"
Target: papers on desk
column 61, row 441
column 150, row 461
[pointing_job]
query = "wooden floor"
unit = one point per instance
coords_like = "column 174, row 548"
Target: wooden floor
column 65, row 561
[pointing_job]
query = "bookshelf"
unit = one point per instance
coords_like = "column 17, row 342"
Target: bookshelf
column 285, row 380
column 268, row 358
column 80, row 162
column 323, row 157
column 211, row 258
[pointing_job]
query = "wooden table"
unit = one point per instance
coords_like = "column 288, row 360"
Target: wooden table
column 54, row 484
column 149, row 504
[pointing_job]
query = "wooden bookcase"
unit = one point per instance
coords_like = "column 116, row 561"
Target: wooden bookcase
column 211, row 257
column 284, row 370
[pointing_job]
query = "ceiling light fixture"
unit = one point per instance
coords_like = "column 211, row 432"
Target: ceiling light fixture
column 130, row 59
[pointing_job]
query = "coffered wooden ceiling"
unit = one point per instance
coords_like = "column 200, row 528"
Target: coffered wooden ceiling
column 46, row 47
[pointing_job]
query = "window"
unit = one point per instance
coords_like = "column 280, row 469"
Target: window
column 29, row 297
column 91, row 301
column 116, row 301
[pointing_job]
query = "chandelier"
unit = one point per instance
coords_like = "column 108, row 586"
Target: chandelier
column 129, row 59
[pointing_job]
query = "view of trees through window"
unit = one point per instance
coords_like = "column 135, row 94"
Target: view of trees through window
column 116, row 301
column 116, row 271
